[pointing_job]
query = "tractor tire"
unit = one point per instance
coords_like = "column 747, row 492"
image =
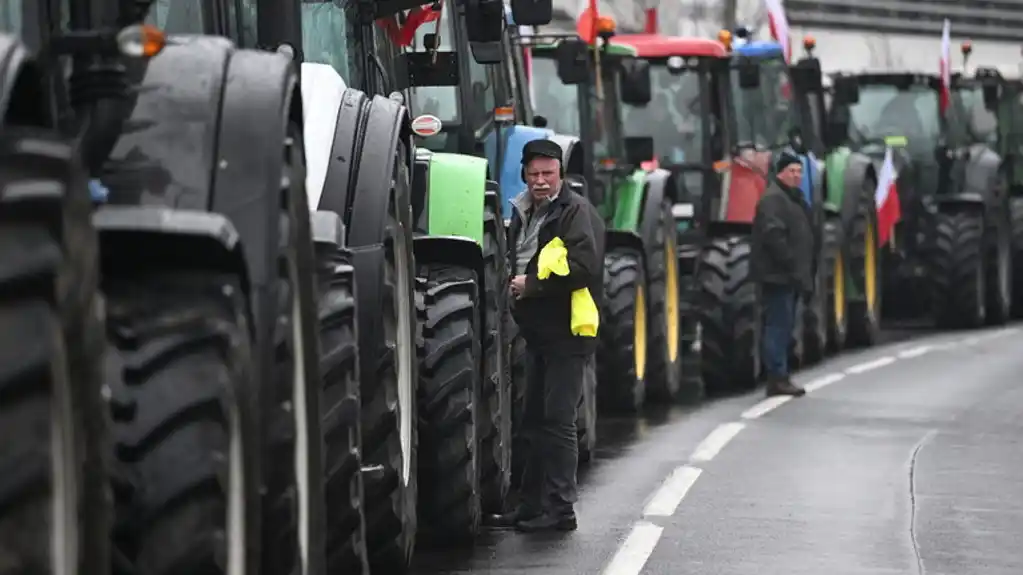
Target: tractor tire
column 586, row 415
column 691, row 388
column 729, row 316
column 862, row 252
column 185, row 420
column 999, row 270
column 621, row 355
column 1016, row 213
column 342, row 436
column 518, row 378
column 816, row 313
column 495, row 408
column 958, row 274
column 835, row 305
column 664, row 357
column 450, row 379
column 54, row 455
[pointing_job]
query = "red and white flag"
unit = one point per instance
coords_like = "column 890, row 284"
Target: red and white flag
column 779, row 26
column 586, row 21
column 945, row 67
column 887, row 198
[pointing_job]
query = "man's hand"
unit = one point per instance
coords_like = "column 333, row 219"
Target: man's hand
column 518, row 285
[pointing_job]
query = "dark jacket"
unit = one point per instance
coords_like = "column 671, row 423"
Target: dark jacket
column 784, row 243
column 543, row 312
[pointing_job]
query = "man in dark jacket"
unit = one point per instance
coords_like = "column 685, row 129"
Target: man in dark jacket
column 555, row 357
column 783, row 261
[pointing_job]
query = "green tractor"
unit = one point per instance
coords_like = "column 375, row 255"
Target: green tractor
column 950, row 255
column 640, row 355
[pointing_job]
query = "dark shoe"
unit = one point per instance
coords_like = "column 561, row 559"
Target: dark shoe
column 783, row 386
column 510, row 519
column 548, row 522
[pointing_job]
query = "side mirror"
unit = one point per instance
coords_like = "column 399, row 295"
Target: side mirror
column 484, row 20
column 639, row 149
column 837, row 127
column 414, row 69
column 539, row 121
column 636, row 83
column 806, row 76
column 749, row 74
column 532, row 12
column 847, row 92
column 572, row 62
column 991, row 96
column 487, row 52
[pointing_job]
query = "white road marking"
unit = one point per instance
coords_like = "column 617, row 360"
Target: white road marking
column 915, row 351
column 869, row 365
column 766, row 406
column 716, row 441
column 634, row 552
column 823, row 381
column 973, row 340
column 666, row 499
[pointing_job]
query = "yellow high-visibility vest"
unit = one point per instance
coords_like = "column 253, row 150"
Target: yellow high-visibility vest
column 553, row 258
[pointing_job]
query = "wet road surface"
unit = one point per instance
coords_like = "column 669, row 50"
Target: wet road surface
column 906, row 458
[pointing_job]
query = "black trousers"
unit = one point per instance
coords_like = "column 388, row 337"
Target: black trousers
column 554, row 387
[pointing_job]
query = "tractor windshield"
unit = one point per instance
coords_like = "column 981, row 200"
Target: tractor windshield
column 439, row 101
column 969, row 121
column 552, row 99
column 884, row 110
column 325, row 35
column 672, row 117
column 198, row 17
column 11, row 16
column 764, row 113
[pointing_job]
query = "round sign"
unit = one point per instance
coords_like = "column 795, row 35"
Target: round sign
column 426, row 125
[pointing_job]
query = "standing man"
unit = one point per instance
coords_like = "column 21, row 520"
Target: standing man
column 555, row 356
column 783, row 260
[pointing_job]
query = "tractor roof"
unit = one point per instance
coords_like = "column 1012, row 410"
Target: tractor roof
column 547, row 43
column 758, row 49
column 660, row 46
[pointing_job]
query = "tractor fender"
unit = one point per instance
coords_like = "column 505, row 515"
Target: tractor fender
column 460, row 251
column 858, row 168
column 345, row 153
column 510, row 177
column 624, row 239
column 137, row 237
column 21, row 84
column 657, row 186
column 454, row 196
column 421, row 189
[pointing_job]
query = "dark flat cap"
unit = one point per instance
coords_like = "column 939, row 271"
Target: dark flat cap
column 540, row 149
column 785, row 159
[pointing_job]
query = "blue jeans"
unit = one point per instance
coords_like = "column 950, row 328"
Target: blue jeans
column 779, row 305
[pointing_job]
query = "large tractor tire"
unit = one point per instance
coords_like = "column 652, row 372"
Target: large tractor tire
column 864, row 265
column 1016, row 213
column 339, row 370
column 518, row 378
column 186, row 422
column 958, row 275
column 998, row 269
column 819, row 312
column 691, row 388
column 834, row 271
column 52, row 416
column 495, row 423
column 389, row 430
column 450, row 379
column 622, row 349
column 729, row 316
column 664, row 356
column 586, row 415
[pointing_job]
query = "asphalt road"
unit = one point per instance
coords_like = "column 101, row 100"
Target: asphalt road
column 906, row 458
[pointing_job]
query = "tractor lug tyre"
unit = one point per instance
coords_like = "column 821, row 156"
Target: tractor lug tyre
column 340, row 407
column 691, row 388
column 186, row 420
column 958, row 275
column 815, row 310
column 586, row 415
column 495, row 423
column 450, row 379
column 518, row 377
column 664, row 356
column 729, row 316
column 621, row 359
column 863, row 251
column 834, row 271
column 999, row 270
column 52, row 415
column 1016, row 213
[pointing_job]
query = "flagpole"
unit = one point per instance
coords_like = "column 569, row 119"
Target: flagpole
column 596, row 51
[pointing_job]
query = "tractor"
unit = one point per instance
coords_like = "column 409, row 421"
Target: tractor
column 950, row 256
column 203, row 254
column 1010, row 140
column 639, row 358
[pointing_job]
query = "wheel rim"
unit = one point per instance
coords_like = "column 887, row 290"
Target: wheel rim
column 639, row 336
column 839, row 289
column 671, row 300
column 870, row 266
column 64, row 511
column 405, row 346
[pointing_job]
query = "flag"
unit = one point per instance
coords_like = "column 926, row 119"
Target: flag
column 586, row 22
column 887, row 198
column 945, row 67
column 402, row 33
column 779, row 26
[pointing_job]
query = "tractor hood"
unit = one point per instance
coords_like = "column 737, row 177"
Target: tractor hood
column 322, row 88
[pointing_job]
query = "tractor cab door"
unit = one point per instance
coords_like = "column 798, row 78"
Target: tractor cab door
column 1010, row 130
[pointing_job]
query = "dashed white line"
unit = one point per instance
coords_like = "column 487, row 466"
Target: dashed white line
column 915, row 351
column 973, row 340
column 823, row 381
column 666, row 499
column 634, row 552
column 869, row 365
column 716, row 441
column 766, row 406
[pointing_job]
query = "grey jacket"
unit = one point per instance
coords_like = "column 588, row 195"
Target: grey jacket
column 783, row 240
